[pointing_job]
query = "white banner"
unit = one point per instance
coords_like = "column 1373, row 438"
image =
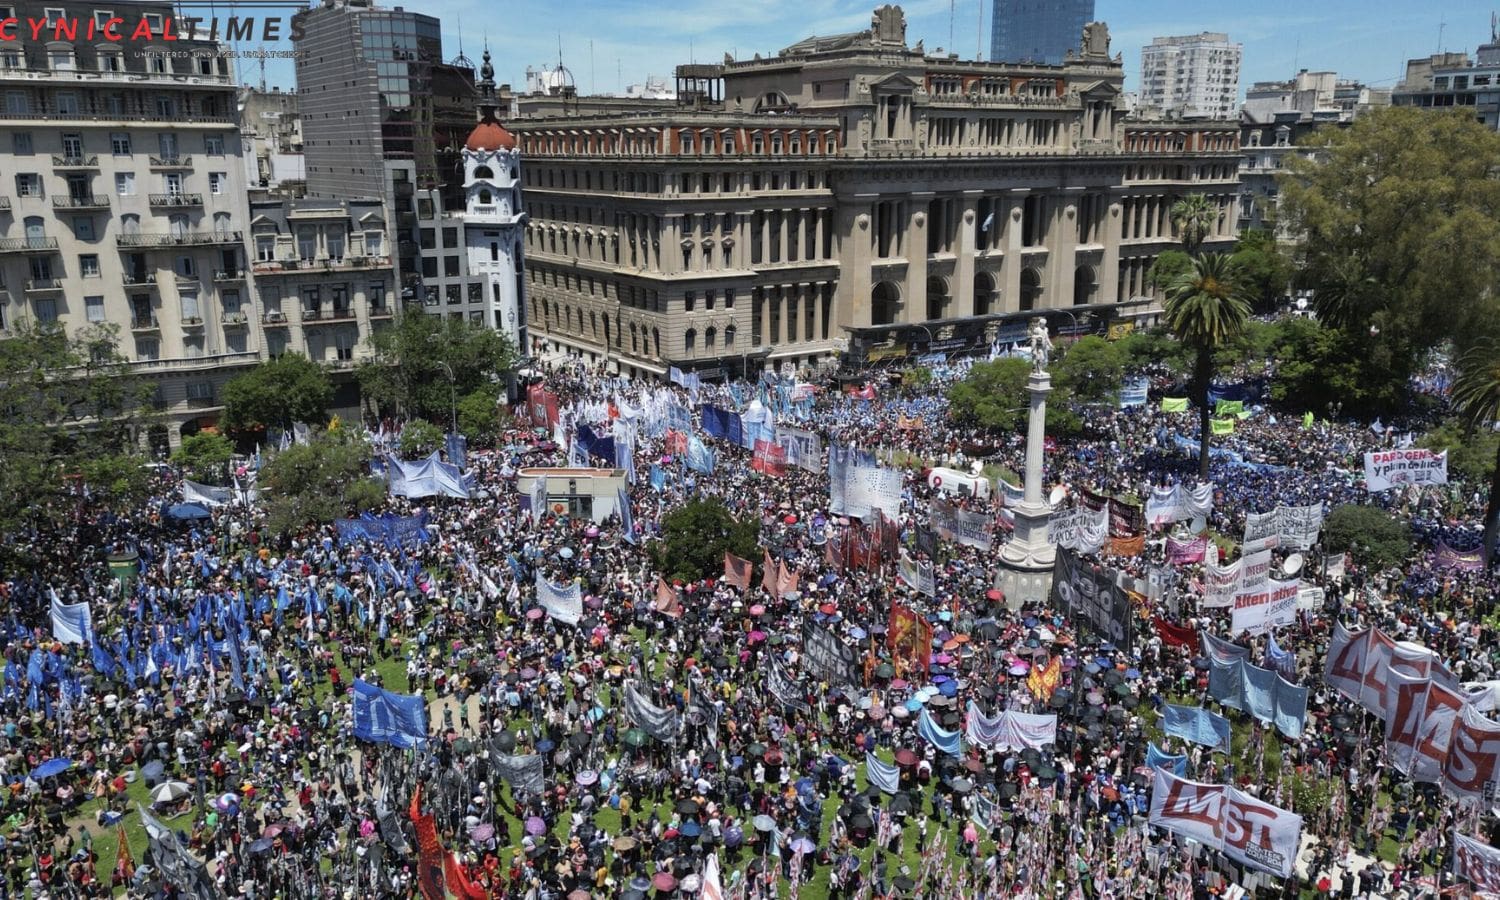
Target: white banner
column 1385, row 469
column 1478, row 863
column 871, row 488
column 1222, row 584
column 1258, row 611
column 1081, row 530
column 1251, row 832
column 1470, row 769
column 1294, row 525
column 564, row 604
column 206, row 494
column 1179, row 503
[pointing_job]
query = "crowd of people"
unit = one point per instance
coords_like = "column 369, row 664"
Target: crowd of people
column 215, row 692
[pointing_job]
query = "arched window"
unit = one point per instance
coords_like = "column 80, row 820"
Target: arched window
column 634, row 346
column 485, row 196
column 984, row 294
column 710, row 337
column 885, row 302
column 937, row 298
column 484, row 172
column 728, row 337
column 1084, row 285
column 690, row 341
column 1031, row 289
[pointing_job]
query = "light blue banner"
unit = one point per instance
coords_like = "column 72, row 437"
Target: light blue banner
column 1157, row 758
column 1197, row 725
column 385, row 717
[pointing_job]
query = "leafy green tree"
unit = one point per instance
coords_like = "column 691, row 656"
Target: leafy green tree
column 1193, row 217
column 1323, row 369
column 481, row 418
column 317, row 482
column 1374, row 537
column 1399, row 219
column 278, row 393
column 1153, row 346
column 1263, row 267
column 119, row 481
column 916, row 377
column 1167, row 267
column 419, row 438
column 1471, row 452
column 205, row 458
column 993, row 396
column 420, row 366
column 1476, row 396
column 1091, row 369
column 66, row 401
column 1206, row 309
column 695, row 536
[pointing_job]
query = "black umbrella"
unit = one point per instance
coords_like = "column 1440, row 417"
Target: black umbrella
column 901, row 803
column 687, row 807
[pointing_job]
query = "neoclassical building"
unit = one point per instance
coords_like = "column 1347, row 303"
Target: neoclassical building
column 853, row 194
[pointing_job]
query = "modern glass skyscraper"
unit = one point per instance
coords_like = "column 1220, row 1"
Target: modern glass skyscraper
column 1038, row 31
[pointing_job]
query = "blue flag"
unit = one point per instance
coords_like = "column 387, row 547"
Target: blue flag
column 658, row 478
column 1197, row 725
column 1157, row 758
column 627, row 519
column 883, row 775
column 385, row 717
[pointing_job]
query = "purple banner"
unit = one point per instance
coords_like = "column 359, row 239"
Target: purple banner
column 1180, row 553
column 1467, row 560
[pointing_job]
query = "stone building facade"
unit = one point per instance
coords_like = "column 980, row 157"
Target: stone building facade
column 849, row 193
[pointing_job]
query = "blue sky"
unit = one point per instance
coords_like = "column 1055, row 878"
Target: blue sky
column 1365, row 39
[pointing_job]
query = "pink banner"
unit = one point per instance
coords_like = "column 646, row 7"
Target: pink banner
column 1180, row 553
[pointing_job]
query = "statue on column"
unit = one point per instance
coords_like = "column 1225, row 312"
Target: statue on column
column 1041, row 344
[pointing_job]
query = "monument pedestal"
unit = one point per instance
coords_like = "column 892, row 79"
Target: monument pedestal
column 1026, row 562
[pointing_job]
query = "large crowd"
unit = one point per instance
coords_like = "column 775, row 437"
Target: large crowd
column 216, row 693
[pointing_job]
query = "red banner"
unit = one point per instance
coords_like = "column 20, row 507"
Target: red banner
column 430, row 851
column 769, row 458
column 1127, row 546
column 768, row 573
column 737, row 571
column 1176, row 635
column 676, row 443
column 909, row 638
column 464, row 888
column 786, row 581
column 666, row 599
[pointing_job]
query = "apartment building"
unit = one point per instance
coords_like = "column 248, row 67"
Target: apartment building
column 1456, row 81
column 1195, row 76
column 849, row 195
column 122, row 200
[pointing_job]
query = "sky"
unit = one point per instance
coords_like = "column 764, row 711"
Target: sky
column 608, row 44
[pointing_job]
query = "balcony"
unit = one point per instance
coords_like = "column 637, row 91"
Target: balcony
column 144, row 323
column 230, row 276
column 75, row 163
column 90, row 202
column 43, row 285
column 274, row 318
column 298, row 264
column 311, row 315
column 236, row 320
column 185, row 239
column 176, row 201
column 192, row 323
column 139, row 279
column 339, row 314
column 201, row 402
column 171, row 162
column 28, row 245
column 381, row 311
column 4, row 203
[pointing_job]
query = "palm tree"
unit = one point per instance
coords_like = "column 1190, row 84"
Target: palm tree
column 1194, row 217
column 1344, row 294
column 1476, row 395
column 1206, row 308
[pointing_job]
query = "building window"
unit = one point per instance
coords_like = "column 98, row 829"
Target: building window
column 454, row 293
column 427, row 238
column 729, row 298
column 216, row 182
column 450, row 267
column 190, row 311
column 60, row 57
column 690, row 341
column 88, row 265
column 28, row 184
column 709, row 298
column 213, row 144
column 21, row 143
column 229, row 302
column 728, row 337
column 125, row 184
column 46, row 311
column 83, row 228
column 429, row 267
column 689, row 300
column 374, row 243
column 93, row 308
column 710, row 337
column 265, row 247
column 186, row 267
column 476, row 292
column 450, row 238
column 147, row 349
column 119, row 144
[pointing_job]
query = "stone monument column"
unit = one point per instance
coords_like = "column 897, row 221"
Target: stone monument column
column 1026, row 561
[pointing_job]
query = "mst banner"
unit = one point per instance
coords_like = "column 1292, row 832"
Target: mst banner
column 1385, row 469
column 1092, row 596
column 1252, row 833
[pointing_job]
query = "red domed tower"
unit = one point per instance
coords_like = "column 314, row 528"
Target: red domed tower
column 493, row 220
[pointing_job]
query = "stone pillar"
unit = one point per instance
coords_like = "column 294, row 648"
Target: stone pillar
column 854, row 247
column 1109, row 236
column 963, row 268
column 1026, row 561
column 1010, row 273
column 914, row 243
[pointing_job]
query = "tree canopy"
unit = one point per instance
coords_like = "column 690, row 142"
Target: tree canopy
column 278, row 393
column 1374, row 537
column 1399, row 216
column 205, row 458
column 317, row 482
column 695, row 537
column 71, row 412
column 419, row 438
column 993, row 396
column 1091, row 369
column 422, row 364
column 1265, row 271
column 1206, row 309
column 480, row 416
